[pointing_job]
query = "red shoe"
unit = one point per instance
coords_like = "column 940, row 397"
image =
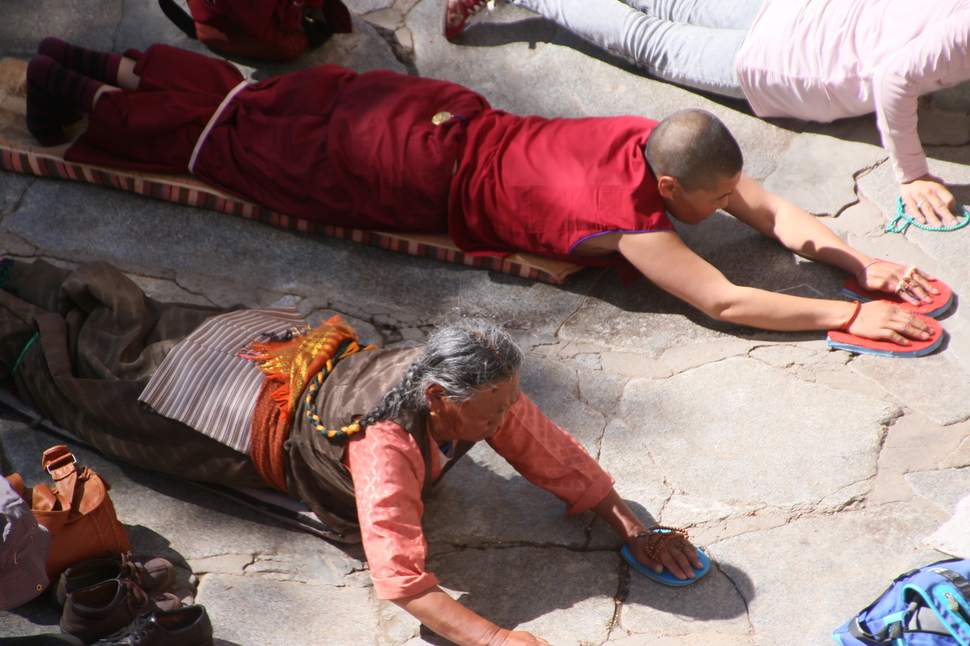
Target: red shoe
column 457, row 12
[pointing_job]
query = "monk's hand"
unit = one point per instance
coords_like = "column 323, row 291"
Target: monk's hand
column 911, row 284
column 517, row 638
column 886, row 322
column 929, row 202
column 676, row 554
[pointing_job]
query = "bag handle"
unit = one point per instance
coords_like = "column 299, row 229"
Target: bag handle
column 178, row 16
column 61, row 464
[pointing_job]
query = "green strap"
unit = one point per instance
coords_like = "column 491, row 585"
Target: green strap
column 23, row 352
column 900, row 227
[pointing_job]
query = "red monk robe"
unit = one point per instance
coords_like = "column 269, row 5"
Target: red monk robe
column 367, row 151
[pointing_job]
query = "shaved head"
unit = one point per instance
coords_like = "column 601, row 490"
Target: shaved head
column 695, row 148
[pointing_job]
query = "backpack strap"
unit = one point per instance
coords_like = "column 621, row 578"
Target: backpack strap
column 178, row 16
column 960, row 583
column 892, row 630
column 926, row 590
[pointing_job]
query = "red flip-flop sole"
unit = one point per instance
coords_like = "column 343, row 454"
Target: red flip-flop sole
column 940, row 302
column 852, row 343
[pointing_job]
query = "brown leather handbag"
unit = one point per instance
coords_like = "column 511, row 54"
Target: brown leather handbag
column 77, row 512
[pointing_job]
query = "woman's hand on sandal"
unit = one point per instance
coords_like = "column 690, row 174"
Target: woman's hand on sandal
column 677, row 555
column 883, row 321
column 913, row 285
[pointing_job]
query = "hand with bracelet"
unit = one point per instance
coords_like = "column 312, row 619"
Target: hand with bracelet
column 661, row 547
column 911, row 284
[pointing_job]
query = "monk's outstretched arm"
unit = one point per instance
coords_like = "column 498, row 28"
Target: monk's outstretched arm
column 804, row 234
column 664, row 259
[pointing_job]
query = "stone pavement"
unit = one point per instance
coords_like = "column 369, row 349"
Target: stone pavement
column 812, row 477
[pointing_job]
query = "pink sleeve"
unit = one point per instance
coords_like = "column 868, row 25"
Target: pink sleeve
column 388, row 473
column 549, row 457
column 936, row 59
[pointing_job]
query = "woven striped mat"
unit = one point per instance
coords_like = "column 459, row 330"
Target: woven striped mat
column 20, row 153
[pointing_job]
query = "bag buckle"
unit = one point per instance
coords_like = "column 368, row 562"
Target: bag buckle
column 60, row 463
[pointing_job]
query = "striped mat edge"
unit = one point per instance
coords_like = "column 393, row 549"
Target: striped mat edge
column 41, row 165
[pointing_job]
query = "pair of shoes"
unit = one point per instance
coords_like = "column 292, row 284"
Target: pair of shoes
column 457, row 13
column 188, row 626
column 926, row 312
column 101, row 609
column 152, row 574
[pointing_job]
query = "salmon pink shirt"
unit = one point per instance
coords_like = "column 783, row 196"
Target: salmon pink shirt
column 388, row 473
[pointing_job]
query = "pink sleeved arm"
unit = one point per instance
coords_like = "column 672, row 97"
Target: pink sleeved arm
column 549, row 457
column 388, row 473
column 937, row 58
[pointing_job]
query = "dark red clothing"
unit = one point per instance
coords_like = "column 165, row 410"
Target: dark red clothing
column 361, row 150
column 545, row 185
column 323, row 144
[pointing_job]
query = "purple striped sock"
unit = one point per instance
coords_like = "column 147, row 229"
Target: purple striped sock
column 52, row 90
column 102, row 66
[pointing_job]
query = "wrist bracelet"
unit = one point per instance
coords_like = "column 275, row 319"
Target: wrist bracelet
column 855, row 313
column 657, row 537
column 861, row 271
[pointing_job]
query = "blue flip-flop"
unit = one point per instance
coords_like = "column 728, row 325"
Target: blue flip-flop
column 666, row 577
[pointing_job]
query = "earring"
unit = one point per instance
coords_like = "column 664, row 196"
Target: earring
column 433, row 413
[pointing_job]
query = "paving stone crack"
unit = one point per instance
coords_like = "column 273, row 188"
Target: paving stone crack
column 747, row 610
column 17, row 200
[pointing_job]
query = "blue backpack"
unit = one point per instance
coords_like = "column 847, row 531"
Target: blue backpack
column 929, row 606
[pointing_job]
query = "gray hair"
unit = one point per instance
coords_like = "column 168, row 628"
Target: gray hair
column 462, row 358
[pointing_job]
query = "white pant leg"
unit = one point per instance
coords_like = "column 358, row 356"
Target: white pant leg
column 720, row 14
column 698, row 57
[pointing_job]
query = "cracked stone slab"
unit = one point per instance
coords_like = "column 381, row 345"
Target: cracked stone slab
column 916, row 443
column 849, row 558
column 685, row 357
column 246, row 610
column 944, row 488
column 24, row 24
column 953, row 537
column 601, row 390
column 710, row 605
column 556, row 594
column 626, row 457
column 818, row 172
column 742, row 432
column 934, row 385
column 167, row 291
column 696, row 639
column 13, row 186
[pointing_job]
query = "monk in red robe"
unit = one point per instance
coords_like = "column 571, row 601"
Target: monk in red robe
column 388, row 151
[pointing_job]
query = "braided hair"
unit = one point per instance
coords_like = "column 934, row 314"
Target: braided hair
column 462, row 358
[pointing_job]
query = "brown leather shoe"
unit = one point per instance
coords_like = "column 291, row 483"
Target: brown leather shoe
column 150, row 573
column 105, row 608
column 188, row 626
